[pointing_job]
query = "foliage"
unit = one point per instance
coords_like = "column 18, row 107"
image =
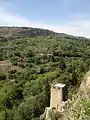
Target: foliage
column 37, row 62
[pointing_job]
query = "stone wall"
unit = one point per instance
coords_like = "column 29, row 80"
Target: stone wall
column 56, row 97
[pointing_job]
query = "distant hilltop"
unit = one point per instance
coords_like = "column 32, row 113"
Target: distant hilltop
column 21, row 32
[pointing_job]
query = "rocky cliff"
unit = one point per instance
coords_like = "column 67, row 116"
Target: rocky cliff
column 21, row 32
column 78, row 108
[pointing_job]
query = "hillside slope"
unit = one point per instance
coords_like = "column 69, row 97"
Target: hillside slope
column 21, row 32
column 37, row 62
column 77, row 108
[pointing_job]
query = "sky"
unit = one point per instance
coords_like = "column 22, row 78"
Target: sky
column 63, row 16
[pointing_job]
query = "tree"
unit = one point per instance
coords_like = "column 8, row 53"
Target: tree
column 2, row 76
column 47, row 92
column 62, row 65
column 27, row 109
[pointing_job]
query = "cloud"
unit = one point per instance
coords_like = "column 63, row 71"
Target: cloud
column 78, row 26
column 10, row 19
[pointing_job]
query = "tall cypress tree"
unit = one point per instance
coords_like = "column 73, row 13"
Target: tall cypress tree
column 47, row 92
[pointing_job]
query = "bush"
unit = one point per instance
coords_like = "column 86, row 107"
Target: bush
column 2, row 76
column 27, row 110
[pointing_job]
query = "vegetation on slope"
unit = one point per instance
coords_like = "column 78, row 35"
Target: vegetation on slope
column 39, row 61
column 78, row 108
column 22, row 32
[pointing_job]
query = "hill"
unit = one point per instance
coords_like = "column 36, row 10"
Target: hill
column 22, row 32
column 39, row 61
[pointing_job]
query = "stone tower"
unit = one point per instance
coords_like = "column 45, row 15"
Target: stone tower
column 58, row 94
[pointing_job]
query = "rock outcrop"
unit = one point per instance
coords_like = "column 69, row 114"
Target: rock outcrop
column 21, row 32
column 75, row 109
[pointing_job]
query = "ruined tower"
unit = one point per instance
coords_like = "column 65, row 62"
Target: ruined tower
column 58, row 94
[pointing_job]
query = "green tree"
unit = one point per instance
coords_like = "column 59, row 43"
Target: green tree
column 47, row 92
column 62, row 65
column 27, row 110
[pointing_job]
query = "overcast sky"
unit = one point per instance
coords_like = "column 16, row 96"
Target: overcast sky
column 65, row 16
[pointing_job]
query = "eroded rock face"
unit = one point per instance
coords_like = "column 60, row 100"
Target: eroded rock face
column 47, row 114
column 21, row 32
column 3, row 38
column 4, row 65
column 74, row 109
column 7, row 66
column 88, row 82
column 85, row 86
column 51, row 114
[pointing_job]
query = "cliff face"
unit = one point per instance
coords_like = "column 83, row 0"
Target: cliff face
column 20, row 32
column 78, row 108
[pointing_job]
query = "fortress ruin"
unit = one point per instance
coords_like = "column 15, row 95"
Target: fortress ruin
column 58, row 95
